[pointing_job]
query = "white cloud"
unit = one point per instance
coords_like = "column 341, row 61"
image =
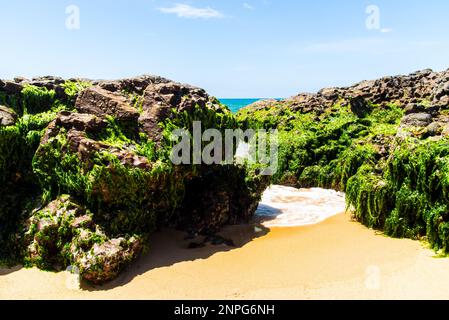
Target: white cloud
column 248, row 6
column 187, row 11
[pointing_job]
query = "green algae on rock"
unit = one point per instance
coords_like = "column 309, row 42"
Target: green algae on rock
column 87, row 165
column 65, row 234
column 384, row 142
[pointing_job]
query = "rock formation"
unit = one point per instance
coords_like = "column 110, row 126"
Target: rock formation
column 86, row 167
column 384, row 142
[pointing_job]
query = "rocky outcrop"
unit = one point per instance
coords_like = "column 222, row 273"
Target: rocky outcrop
column 384, row 142
column 131, row 85
column 427, row 85
column 98, row 152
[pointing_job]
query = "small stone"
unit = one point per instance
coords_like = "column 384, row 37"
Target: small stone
column 7, row 116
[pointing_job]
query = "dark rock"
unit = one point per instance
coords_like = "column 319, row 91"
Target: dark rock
column 194, row 245
column 414, row 108
column 402, row 89
column 20, row 79
column 51, row 83
column 306, row 102
column 11, row 87
column 47, row 79
column 7, row 116
column 102, row 103
column 360, row 107
column 133, row 85
column 442, row 90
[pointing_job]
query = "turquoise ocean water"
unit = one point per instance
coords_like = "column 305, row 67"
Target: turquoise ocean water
column 237, row 104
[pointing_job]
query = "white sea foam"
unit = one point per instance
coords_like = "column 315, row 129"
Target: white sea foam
column 290, row 207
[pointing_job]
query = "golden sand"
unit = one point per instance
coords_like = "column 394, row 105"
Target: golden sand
column 336, row 259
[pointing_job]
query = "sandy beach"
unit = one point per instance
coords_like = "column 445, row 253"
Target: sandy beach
column 335, row 259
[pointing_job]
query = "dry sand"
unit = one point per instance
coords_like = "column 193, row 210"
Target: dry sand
column 336, row 259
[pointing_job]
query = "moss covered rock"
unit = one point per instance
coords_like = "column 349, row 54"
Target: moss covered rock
column 384, row 142
column 96, row 156
column 64, row 234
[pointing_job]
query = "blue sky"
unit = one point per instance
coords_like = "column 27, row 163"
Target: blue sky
column 232, row 48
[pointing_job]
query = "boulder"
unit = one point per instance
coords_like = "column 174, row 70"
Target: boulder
column 106, row 260
column 360, row 107
column 7, row 116
column 64, row 234
column 11, row 87
column 417, row 120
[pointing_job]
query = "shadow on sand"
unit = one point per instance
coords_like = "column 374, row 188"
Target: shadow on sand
column 169, row 247
column 5, row 270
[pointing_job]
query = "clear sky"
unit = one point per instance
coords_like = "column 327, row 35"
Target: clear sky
column 232, row 48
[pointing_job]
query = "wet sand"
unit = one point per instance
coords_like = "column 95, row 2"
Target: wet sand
column 335, row 259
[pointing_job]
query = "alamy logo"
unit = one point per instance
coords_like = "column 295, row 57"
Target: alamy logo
column 373, row 19
column 72, row 21
column 235, row 146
